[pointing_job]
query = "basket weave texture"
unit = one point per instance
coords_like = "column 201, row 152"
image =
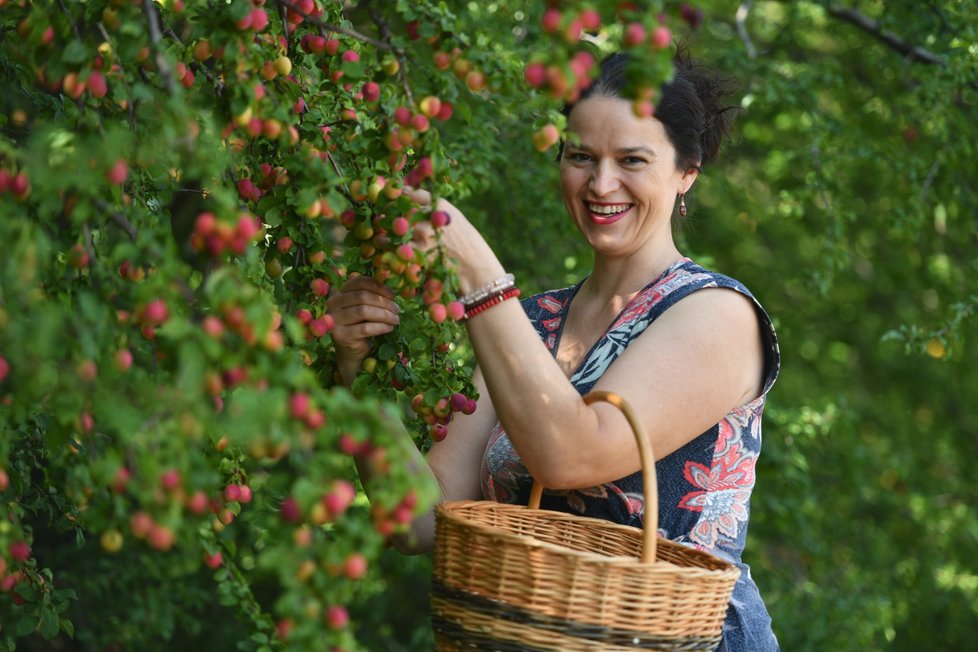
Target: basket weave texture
column 511, row 577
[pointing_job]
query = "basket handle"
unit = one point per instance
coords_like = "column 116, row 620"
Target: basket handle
column 649, row 488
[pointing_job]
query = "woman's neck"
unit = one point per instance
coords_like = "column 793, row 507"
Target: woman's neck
column 621, row 278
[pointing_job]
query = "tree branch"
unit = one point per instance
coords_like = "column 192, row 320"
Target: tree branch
column 867, row 24
column 329, row 27
column 155, row 35
column 741, row 19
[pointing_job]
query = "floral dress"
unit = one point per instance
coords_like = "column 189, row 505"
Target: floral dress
column 704, row 487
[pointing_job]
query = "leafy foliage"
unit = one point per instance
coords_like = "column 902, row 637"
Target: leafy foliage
column 151, row 358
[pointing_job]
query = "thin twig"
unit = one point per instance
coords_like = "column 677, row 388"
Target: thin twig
column 74, row 25
column 155, row 36
column 283, row 14
column 867, row 24
column 329, row 27
column 385, row 34
column 741, row 18
column 119, row 219
column 129, row 101
column 929, row 180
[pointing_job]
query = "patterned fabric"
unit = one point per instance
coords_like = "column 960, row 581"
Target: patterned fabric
column 704, row 487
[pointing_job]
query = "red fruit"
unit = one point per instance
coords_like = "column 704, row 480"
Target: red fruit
column 692, row 15
column 446, row 111
column 20, row 551
column 4, row 181
column 198, row 503
column 351, row 56
column 155, row 312
column 123, row 359
column 161, row 537
column 87, row 370
column 118, row 173
column 303, row 315
column 319, row 287
column 213, row 561
column 259, row 19
column 4, row 483
column 550, row 21
column 141, row 523
column 20, row 186
column 371, row 91
column 634, row 34
column 661, row 37
column 339, row 498
column 213, row 326
column 470, row 406
column 121, row 480
column 299, row 405
column 440, row 219
column 405, row 252
column 337, row 617
column 315, row 419
column 289, row 511
column 332, row 46
column 248, row 190
column 246, row 494
column 313, row 43
column 170, row 479
column 205, row 224
column 412, row 30
column 355, row 566
column 535, row 74
column 319, row 327
column 456, row 311
column 424, row 167
column 438, row 312
column 232, row 493
column 438, row 432
column 400, row 226
column 476, row 81
column 4, row 368
column 96, row 84
column 348, row 445
column 420, row 123
column 284, row 244
column 590, row 20
column 402, row 115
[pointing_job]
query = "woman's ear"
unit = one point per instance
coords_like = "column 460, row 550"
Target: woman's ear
column 689, row 177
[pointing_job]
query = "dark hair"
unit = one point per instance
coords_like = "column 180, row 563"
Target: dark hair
column 690, row 106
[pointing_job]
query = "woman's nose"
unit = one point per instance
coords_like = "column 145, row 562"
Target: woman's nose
column 603, row 179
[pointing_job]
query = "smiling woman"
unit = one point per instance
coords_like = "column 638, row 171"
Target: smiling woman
column 690, row 349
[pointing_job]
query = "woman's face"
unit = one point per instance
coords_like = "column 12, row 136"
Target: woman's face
column 619, row 177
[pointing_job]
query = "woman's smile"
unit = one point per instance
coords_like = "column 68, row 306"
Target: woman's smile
column 607, row 213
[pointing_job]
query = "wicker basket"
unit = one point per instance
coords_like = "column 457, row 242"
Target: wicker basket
column 508, row 577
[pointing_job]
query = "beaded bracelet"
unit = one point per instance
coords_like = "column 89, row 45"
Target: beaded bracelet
column 492, row 287
column 493, row 300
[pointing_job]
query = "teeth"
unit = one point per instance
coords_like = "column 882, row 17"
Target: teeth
column 608, row 210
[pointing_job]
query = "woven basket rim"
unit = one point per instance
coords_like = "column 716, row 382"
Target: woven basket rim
column 450, row 511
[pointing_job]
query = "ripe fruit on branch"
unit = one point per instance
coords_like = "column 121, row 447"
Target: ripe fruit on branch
column 118, row 173
column 545, row 137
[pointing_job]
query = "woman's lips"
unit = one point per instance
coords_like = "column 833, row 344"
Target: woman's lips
column 603, row 218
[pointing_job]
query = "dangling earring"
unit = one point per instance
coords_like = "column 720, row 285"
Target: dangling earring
column 682, row 204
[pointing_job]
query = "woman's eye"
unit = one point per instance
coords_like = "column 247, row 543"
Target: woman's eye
column 578, row 157
column 633, row 160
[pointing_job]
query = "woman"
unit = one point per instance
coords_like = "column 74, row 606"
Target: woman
column 697, row 376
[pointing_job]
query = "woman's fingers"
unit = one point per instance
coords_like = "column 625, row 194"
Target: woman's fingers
column 363, row 308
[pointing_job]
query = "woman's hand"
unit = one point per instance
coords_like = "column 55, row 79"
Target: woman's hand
column 362, row 309
column 475, row 262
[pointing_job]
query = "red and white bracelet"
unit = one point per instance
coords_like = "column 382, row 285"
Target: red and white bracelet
column 489, row 301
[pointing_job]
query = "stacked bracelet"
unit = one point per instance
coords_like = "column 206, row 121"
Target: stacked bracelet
column 490, row 301
column 491, row 288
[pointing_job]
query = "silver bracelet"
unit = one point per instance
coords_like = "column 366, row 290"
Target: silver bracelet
column 498, row 286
